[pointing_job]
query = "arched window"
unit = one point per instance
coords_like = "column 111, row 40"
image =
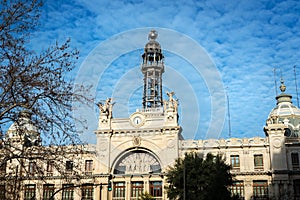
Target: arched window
column 137, row 162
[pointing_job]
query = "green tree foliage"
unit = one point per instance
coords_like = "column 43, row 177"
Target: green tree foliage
column 195, row 178
column 146, row 196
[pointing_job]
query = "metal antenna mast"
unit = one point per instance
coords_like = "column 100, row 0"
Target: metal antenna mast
column 296, row 85
column 275, row 81
column 228, row 112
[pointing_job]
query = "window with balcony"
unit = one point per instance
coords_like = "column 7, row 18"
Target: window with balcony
column 235, row 161
column 260, row 189
column 258, row 162
column 68, row 192
column 119, row 191
column 295, row 160
column 48, row 190
column 87, row 192
column 88, row 167
column 237, row 189
column 136, row 189
column 156, row 189
column 29, row 192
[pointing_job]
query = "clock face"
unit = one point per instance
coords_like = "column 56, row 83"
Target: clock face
column 137, row 120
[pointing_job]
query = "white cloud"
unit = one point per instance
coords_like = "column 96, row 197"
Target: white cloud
column 246, row 40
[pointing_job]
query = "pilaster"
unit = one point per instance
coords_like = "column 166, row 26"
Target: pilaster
column 275, row 132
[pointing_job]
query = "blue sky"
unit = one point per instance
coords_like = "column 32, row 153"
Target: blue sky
column 244, row 39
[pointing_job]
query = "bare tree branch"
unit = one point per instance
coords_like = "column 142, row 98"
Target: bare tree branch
column 39, row 84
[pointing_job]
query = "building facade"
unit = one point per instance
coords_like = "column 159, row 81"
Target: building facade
column 132, row 154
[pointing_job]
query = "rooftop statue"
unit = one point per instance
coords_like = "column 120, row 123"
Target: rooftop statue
column 171, row 103
column 106, row 108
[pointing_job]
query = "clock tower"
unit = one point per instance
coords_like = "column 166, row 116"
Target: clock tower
column 139, row 149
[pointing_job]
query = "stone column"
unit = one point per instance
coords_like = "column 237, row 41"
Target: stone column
column 128, row 188
column 146, row 185
column 248, row 189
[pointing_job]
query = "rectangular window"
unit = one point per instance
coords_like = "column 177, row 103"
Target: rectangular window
column 119, row 191
column 237, row 189
column 87, row 192
column 48, row 190
column 69, row 165
column 295, row 160
column 32, row 168
column 88, row 166
column 235, row 161
column 68, row 192
column 260, row 189
column 2, row 192
column 29, row 192
column 258, row 161
column 50, row 167
column 156, row 189
column 136, row 189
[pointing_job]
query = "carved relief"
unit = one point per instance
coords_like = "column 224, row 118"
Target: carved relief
column 170, row 143
column 273, row 119
column 137, row 162
column 277, row 143
column 136, row 141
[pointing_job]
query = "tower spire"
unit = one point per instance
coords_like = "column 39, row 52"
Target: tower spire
column 282, row 86
column 152, row 67
column 283, row 97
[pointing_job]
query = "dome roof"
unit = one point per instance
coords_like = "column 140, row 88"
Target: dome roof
column 285, row 109
column 23, row 124
column 287, row 113
column 152, row 55
column 152, row 45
